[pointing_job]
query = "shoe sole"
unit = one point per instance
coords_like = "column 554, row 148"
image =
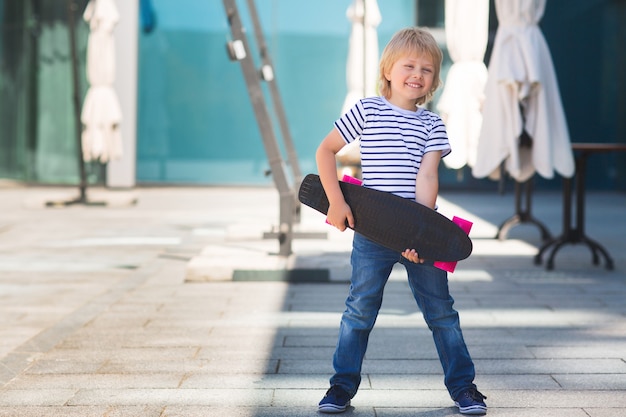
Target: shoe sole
column 332, row 408
column 472, row 410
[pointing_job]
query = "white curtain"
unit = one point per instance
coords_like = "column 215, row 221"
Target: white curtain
column 522, row 93
column 460, row 105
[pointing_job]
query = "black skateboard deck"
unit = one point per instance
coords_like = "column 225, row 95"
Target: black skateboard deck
column 394, row 222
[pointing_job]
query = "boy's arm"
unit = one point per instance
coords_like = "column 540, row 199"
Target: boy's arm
column 426, row 189
column 427, row 181
column 338, row 210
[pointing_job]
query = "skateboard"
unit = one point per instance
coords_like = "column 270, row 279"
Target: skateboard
column 394, row 222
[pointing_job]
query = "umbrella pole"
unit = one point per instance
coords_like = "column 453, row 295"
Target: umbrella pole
column 82, row 185
column 523, row 214
column 71, row 8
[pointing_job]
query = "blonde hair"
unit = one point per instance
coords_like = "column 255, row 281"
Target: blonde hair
column 405, row 42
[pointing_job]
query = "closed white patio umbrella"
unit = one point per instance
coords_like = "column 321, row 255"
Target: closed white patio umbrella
column 101, row 114
column 362, row 64
column 522, row 94
column 460, row 105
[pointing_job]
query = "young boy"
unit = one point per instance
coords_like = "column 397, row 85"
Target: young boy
column 401, row 146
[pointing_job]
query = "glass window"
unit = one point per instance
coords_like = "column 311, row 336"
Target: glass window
column 38, row 137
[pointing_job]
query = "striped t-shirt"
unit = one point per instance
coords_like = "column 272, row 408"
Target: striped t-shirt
column 393, row 142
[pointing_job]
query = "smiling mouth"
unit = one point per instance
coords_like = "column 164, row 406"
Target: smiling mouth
column 414, row 85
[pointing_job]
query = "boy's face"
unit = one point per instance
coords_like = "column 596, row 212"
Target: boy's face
column 411, row 77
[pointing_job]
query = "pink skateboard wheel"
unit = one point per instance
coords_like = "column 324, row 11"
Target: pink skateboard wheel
column 351, row 180
column 466, row 225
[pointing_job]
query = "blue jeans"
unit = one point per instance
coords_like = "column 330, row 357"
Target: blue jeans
column 371, row 267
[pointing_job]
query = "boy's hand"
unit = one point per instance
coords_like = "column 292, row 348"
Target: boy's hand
column 340, row 214
column 412, row 256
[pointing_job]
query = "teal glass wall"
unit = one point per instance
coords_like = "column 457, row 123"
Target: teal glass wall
column 38, row 139
column 587, row 41
column 196, row 123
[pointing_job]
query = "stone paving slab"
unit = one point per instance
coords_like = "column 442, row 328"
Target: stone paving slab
column 100, row 316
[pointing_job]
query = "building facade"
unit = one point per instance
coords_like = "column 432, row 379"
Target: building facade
column 188, row 118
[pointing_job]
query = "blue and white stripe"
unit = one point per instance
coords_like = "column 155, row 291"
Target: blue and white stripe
column 393, row 142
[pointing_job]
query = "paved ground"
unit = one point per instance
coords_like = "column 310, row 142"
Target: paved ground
column 116, row 311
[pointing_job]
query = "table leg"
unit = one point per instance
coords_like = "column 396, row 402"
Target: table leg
column 567, row 234
column 597, row 248
column 522, row 215
column 574, row 235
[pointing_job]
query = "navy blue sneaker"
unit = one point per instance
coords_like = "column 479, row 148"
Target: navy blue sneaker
column 335, row 401
column 471, row 402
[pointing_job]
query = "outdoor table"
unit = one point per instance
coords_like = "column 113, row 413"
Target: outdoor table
column 576, row 234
